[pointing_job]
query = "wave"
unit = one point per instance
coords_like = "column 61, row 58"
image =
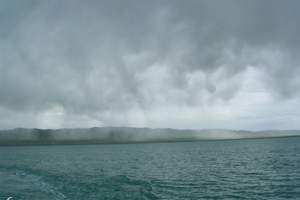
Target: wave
column 27, row 181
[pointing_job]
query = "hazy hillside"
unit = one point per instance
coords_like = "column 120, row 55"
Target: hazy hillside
column 126, row 135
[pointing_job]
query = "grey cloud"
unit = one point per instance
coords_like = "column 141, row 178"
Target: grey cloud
column 95, row 57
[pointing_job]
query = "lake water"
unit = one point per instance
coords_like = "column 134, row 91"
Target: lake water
column 239, row 169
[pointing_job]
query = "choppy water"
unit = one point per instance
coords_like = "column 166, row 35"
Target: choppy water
column 241, row 169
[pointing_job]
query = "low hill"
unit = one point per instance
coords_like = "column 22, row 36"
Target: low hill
column 107, row 135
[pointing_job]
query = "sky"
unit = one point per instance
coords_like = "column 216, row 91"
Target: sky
column 193, row 64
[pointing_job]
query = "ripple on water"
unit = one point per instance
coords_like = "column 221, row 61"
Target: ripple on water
column 22, row 184
column 248, row 169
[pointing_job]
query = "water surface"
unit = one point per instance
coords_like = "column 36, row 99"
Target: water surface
column 237, row 169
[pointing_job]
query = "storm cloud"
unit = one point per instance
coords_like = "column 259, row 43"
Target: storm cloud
column 180, row 64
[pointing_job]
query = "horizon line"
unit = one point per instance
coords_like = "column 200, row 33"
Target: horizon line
column 135, row 127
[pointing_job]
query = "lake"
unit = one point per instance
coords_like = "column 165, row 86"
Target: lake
column 232, row 169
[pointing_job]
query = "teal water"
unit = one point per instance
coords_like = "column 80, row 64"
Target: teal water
column 240, row 169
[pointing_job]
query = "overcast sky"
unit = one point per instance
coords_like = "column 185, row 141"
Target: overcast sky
column 192, row 64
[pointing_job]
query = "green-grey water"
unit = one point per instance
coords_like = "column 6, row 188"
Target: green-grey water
column 238, row 169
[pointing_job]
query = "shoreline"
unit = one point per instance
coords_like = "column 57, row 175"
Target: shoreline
column 90, row 142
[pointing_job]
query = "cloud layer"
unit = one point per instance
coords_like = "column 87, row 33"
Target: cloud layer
column 180, row 64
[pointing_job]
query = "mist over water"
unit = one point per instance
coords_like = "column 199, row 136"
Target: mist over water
column 236, row 169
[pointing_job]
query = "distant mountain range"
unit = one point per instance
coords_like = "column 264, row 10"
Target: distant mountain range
column 109, row 135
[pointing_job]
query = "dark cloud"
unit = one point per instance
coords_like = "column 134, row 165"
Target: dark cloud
column 108, row 60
